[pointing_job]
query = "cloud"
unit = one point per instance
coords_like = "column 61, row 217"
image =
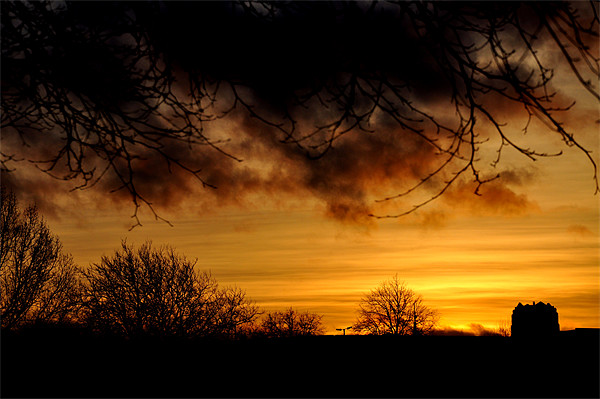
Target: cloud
column 481, row 330
column 35, row 189
column 495, row 198
column 518, row 177
column 580, row 230
column 344, row 184
column 277, row 64
column 475, row 329
column 433, row 219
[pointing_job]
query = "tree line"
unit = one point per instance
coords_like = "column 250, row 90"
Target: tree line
column 154, row 291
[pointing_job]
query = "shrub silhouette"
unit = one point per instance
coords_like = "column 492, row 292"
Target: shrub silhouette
column 38, row 282
column 291, row 323
column 154, row 291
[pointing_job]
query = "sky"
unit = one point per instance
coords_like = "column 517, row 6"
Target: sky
column 472, row 269
column 296, row 231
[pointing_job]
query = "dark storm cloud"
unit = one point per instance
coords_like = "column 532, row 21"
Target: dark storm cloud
column 360, row 168
column 302, row 46
column 518, row 177
column 287, row 67
column 34, row 190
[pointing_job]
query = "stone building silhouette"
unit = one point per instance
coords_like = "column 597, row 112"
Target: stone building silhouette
column 536, row 320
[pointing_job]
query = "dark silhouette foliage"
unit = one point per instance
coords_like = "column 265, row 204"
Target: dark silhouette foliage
column 291, row 323
column 156, row 292
column 38, row 282
column 324, row 366
column 96, row 91
column 393, row 308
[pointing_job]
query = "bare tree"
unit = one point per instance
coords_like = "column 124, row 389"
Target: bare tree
column 291, row 323
column 38, row 282
column 96, row 85
column 392, row 308
column 110, row 90
column 504, row 328
column 154, row 291
column 230, row 313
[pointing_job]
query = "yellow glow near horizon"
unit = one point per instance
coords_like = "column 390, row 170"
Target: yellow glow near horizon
column 473, row 265
column 474, row 270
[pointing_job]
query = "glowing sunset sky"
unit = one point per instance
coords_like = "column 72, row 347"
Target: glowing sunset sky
column 473, row 269
column 297, row 232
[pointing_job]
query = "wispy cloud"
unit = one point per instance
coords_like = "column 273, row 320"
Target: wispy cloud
column 580, row 230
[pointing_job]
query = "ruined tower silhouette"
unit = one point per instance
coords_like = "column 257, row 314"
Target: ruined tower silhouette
column 536, row 320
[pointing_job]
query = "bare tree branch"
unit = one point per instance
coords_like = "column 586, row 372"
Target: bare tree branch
column 103, row 92
column 38, row 282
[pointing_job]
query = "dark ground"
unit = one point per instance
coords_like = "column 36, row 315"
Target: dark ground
column 76, row 364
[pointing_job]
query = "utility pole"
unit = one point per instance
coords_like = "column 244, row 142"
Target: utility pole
column 415, row 319
column 343, row 329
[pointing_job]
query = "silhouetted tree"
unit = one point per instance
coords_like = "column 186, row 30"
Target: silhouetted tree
column 38, row 282
column 291, row 323
column 392, row 308
column 112, row 86
column 230, row 313
column 504, row 328
column 154, row 291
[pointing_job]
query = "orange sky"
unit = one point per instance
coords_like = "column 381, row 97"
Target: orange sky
column 473, row 265
column 472, row 258
column 534, row 235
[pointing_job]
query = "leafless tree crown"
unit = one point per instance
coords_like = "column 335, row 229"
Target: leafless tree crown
column 393, row 308
column 291, row 323
column 38, row 282
column 154, row 291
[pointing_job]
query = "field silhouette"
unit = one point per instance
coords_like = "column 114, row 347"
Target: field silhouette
column 365, row 111
column 72, row 362
column 145, row 323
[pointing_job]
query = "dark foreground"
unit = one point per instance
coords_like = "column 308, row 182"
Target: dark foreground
column 74, row 364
